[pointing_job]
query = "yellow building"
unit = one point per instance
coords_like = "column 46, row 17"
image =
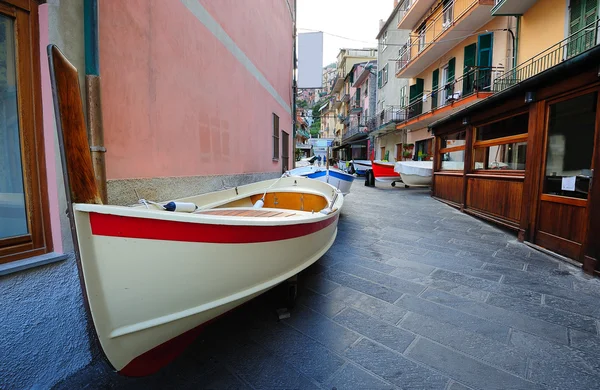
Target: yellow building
column 454, row 51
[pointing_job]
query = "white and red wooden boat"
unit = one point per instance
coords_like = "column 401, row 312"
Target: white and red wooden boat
column 384, row 172
column 415, row 173
column 152, row 278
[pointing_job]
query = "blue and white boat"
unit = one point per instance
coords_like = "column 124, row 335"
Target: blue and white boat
column 335, row 177
column 360, row 167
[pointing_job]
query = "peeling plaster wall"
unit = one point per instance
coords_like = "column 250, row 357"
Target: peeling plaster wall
column 43, row 335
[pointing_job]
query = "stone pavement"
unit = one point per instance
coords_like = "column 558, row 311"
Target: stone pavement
column 413, row 295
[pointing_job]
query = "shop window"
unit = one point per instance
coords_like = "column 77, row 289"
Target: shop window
column 23, row 228
column 502, row 145
column 452, row 151
column 570, row 146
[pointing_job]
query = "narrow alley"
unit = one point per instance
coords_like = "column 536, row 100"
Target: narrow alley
column 413, row 295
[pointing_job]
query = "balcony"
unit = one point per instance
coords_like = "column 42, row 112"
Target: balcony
column 386, row 119
column 355, row 104
column 442, row 32
column 337, row 84
column 511, row 7
column 345, row 98
column 356, row 129
column 573, row 45
column 454, row 96
column 412, row 11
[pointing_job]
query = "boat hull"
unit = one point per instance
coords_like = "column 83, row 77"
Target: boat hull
column 340, row 180
column 415, row 173
column 361, row 166
column 384, row 172
column 153, row 276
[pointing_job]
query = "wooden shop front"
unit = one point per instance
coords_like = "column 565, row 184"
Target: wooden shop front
column 525, row 159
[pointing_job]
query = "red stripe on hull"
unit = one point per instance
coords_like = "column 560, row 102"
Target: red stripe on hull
column 157, row 229
column 382, row 170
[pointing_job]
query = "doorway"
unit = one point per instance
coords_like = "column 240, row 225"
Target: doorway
column 567, row 174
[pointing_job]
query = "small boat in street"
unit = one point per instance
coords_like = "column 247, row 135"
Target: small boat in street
column 360, row 167
column 155, row 274
column 384, row 172
column 415, row 173
column 337, row 178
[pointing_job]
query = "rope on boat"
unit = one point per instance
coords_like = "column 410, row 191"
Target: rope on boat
column 261, row 202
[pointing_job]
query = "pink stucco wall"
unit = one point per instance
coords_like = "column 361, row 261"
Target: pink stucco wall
column 176, row 102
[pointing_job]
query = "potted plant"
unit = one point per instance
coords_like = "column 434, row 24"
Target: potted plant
column 407, row 154
column 410, row 146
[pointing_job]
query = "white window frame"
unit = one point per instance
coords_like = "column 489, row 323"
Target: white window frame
column 384, row 39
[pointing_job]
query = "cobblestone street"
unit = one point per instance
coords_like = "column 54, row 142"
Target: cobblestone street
column 412, row 295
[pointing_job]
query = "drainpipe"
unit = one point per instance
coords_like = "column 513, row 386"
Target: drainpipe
column 516, row 42
column 93, row 100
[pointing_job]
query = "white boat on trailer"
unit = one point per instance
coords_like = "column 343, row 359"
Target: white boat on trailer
column 156, row 273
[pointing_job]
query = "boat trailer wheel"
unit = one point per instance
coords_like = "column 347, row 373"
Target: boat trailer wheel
column 393, row 184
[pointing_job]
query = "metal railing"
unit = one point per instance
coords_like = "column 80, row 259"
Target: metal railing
column 390, row 114
column 573, row 45
column 356, row 127
column 475, row 80
column 405, row 7
column 434, row 27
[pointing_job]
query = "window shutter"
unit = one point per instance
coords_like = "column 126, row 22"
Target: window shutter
column 484, row 61
column 451, row 70
column 379, row 79
column 469, row 68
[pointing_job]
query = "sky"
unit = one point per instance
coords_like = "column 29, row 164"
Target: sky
column 357, row 20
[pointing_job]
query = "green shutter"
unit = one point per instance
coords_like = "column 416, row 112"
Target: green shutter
column 412, row 93
column 469, row 69
column 379, row 79
column 420, row 84
column 357, row 96
column 591, row 8
column 451, row 70
column 351, row 77
column 484, row 61
column 435, row 79
column 416, row 97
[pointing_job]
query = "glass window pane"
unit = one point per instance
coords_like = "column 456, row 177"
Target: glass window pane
column 512, row 126
column 454, row 139
column 501, row 157
column 571, row 129
column 13, row 217
column 453, row 160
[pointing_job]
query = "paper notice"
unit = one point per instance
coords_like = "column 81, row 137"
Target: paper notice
column 568, row 183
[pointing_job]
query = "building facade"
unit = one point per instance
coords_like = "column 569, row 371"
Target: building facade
column 525, row 157
column 392, row 92
column 341, row 92
column 455, row 50
column 190, row 102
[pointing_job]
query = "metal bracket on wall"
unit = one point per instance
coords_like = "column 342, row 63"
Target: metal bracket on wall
column 101, row 149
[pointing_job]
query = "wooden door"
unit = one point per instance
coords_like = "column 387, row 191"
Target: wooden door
column 567, row 174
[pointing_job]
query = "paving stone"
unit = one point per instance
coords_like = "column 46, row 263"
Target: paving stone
column 558, row 376
column 458, row 386
column 542, row 278
column 541, row 349
column 305, row 355
column 321, row 285
column 320, row 303
column 444, row 285
column 368, row 304
column 541, row 287
column 469, row 245
column 376, row 290
column 382, row 332
column 374, row 265
column 549, row 314
column 585, row 342
column 466, row 369
column 473, row 344
column 370, row 253
column 392, row 282
column 394, row 368
column 488, row 286
column 458, row 264
column 406, row 264
column 353, row 377
column 449, row 315
column 321, row 328
column 262, row 369
column 513, row 319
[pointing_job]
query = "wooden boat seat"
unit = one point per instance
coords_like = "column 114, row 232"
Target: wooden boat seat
column 247, row 213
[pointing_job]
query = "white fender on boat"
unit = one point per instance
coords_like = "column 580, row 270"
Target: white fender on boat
column 181, row 207
column 259, row 204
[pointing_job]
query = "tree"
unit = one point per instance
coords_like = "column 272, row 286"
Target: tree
column 315, row 128
column 302, row 104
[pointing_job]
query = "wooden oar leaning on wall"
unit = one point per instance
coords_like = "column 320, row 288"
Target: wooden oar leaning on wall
column 72, row 133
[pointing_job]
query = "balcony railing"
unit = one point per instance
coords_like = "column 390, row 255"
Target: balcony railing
column 405, row 7
column 434, row 27
column 475, row 80
column 573, row 45
column 356, row 127
column 390, row 114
